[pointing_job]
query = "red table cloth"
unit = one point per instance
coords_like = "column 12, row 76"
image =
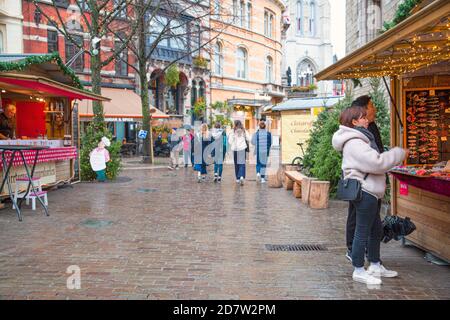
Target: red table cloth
column 46, row 155
column 439, row 186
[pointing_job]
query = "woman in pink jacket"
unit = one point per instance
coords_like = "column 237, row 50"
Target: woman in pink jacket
column 187, row 138
column 362, row 161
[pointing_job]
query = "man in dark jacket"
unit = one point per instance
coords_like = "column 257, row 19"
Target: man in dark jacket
column 365, row 102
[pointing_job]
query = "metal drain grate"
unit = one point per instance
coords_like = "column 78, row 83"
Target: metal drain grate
column 296, row 247
column 146, row 190
column 96, row 223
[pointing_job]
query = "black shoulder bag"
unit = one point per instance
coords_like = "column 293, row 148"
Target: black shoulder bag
column 349, row 189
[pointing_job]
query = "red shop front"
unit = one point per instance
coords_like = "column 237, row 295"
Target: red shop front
column 42, row 92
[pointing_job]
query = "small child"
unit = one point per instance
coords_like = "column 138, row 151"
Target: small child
column 99, row 157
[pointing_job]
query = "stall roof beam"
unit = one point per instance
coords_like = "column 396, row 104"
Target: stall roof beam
column 432, row 21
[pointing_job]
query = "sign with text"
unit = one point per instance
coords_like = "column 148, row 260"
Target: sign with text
column 403, row 189
column 295, row 128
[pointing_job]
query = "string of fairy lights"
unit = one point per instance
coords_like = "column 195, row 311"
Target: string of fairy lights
column 419, row 51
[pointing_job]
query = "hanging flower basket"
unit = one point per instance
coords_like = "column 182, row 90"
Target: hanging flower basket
column 172, row 76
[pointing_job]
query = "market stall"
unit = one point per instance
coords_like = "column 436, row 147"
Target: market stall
column 39, row 92
column 415, row 54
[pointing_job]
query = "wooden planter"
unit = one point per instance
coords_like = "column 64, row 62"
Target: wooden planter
column 319, row 194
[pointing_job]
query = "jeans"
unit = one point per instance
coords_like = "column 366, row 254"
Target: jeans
column 261, row 169
column 368, row 230
column 351, row 225
column 218, row 168
column 101, row 175
column 239, row 163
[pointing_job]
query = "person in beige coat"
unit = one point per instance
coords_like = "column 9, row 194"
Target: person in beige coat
column 361, row 160
column 238, row 140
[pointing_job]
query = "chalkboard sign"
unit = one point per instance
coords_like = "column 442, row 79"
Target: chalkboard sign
column 76, row 139
column 427, row 115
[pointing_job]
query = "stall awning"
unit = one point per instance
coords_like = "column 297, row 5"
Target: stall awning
column 305, row 103
column 421, row 40
column 122, row 104
column 40, row 86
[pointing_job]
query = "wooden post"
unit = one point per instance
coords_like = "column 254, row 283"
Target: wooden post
column 306, row 185
column 274, row 179
column 318, row 196
column 297, row 190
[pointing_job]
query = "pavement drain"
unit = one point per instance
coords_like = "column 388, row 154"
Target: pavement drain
column 296, row 247
column 96, row 224
column 146, row 190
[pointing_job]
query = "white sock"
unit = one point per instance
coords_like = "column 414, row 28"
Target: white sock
column 199, row 174
column 375, row 264
column 360, row 270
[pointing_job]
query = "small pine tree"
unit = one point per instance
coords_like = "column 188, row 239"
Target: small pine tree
column 94, row 133
column 321, row 160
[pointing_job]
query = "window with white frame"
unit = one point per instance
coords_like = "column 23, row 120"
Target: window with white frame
column 242, row 13
column 268, row 23
column 269, row 69
column 218, row 59
column 235, row 11
column 312, row 13
column 216, row 8
column 242, row 63
column 2, row 48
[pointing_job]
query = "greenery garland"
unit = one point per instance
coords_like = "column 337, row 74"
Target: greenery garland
column 24, row 63
column 403, row 12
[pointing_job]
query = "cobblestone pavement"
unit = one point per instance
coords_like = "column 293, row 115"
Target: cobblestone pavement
column 162, row 235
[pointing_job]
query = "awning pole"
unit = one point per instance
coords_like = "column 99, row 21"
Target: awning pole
column 393, row 102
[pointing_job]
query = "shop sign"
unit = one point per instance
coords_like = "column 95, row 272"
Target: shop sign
column 142, row 134
column 403, row 189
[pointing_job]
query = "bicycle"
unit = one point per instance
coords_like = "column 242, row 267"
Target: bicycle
column 298, row 161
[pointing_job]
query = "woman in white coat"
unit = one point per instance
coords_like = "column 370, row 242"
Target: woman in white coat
column 362, row 161
column 238, row 140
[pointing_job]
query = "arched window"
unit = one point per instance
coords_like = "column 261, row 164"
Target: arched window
column 241, row 63
column 197, row 90
column 299, row 16
column 218, row 59
column 312, row 13
column 269, row 69
column 242, row 13
column 305, row 73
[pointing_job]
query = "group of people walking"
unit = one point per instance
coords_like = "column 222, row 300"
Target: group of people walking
column 209, row 147
column 365, row 159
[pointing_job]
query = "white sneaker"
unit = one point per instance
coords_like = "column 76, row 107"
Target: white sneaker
column 381, row 271
column 365, row 277
column 258, row 176
column 241, row 180
column 238, row 181
column 170, row 167
column 263, row 180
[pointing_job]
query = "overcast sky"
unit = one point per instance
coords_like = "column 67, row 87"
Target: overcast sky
column 338, row 27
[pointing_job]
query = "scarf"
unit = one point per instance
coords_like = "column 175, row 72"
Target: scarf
column 368, row 134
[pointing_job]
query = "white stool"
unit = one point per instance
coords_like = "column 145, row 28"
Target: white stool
column 34, row 194
column 36, row 189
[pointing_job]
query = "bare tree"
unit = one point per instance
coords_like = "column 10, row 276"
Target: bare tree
column 96, row 18
column 152, row 30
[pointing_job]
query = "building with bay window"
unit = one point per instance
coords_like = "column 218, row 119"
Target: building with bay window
column 246, row 57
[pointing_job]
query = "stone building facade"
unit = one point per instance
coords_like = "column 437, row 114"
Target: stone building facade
column 307, row 46
column 364, row 20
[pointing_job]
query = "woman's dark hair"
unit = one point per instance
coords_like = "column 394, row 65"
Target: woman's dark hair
column 217, row 125
column 238, row 125
column 262, row 125
column 352, row 113
column 362, row 101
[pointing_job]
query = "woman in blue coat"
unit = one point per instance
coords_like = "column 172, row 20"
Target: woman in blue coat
column 201, row 142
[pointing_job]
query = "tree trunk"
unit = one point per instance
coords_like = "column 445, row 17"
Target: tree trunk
column 96, row 78
column 147, row 143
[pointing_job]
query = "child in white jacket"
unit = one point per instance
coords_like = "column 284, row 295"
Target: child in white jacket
column 362, row 161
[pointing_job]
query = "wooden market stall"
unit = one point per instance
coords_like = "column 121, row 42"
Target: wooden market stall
column 43, row 91
column 415, row 55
